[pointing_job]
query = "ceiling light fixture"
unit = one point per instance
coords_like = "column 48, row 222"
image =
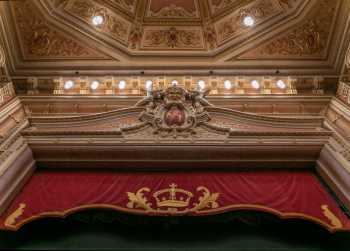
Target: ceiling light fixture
column 122, row 84
column 227, row 84
column 149, row 84
column 94, row 85
column 248, row 21
column 97, row 20
column 68, row 84
column 201, row 84
column 255, row 84
column 281, row 84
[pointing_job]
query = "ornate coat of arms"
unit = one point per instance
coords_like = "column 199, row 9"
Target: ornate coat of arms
column 175, row 111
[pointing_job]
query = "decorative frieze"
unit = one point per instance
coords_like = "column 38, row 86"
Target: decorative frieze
column 219, row 85
column 172, row 11
column 183, row 38
column 40, row 40
column 232, row 25
column 114, row 25
column 217, row 6
column 309, row 39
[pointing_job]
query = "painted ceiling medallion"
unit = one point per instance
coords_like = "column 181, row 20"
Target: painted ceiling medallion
column 175, row 111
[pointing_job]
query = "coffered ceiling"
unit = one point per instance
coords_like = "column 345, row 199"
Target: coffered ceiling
column 57, row 37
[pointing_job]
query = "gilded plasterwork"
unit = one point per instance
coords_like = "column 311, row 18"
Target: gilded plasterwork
column 173, row 38
column 232, row 25
column 113, row 24
column 40, row 40
column 128, row 5
column 206, row 34
column 177, row 9
column 347, row 59
column 309, row 39
column 172, row 11
column 217, row 6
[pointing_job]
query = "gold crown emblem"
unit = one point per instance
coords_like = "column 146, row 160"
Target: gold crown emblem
column 175, row 93
column 173, row 197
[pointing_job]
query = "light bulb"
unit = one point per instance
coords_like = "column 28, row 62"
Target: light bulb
column 122, row 84
column 255, row 84
column 227, row 84
column 248, row 21
column 94, row 84
column 201, row 84
column 97, row 20
column 281, row 84
column 68, row 84
column 149, row 84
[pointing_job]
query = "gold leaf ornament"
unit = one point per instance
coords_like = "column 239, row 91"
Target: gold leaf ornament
column 138, row 200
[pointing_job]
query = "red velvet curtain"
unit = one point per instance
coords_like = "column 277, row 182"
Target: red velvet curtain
column 283, row 193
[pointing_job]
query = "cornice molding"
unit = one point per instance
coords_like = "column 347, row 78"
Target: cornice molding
column 216, row 136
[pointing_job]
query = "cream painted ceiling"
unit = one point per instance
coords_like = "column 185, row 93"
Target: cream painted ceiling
column 159, row 36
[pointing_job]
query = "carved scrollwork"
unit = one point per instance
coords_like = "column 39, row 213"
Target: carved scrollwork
column 172, row 11
column 175, row 111
column 173, row 38
column 40, row 40
column 308, row 39
column 113, row 24
column 232, row 25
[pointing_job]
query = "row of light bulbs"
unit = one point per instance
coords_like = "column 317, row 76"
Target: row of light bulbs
column 201, row 85
column 248, row 21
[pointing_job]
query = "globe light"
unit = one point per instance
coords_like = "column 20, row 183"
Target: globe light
column 201, row 84
column 122, row 84
column 149, row 84
column 94, row 85
column 68, row 84
column 97, row 20
column 248, row 21
column 227, row 84
column 174, row 82
column 255, row 84
column 281, row 84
